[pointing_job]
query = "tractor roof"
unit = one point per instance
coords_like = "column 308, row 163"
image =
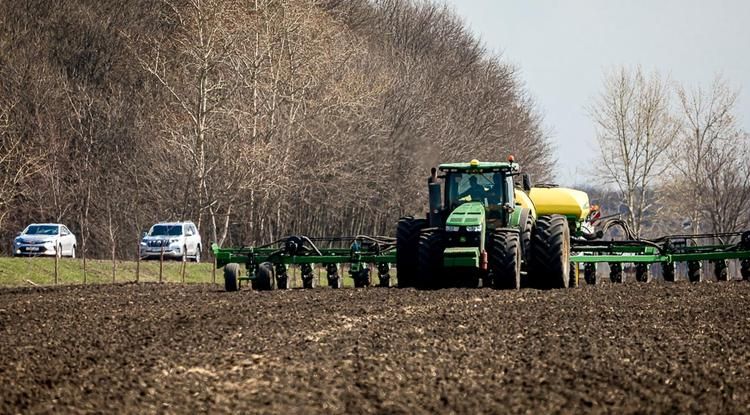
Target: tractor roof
column 476, row 165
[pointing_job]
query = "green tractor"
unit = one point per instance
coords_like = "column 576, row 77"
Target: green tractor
column 484, row 230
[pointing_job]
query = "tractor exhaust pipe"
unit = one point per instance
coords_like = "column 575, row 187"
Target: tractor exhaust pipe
column 433, row 187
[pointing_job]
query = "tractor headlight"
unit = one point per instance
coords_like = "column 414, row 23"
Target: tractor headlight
column 477, row 228
column 451, row 228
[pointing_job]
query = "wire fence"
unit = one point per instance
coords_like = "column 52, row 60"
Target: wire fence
column 33, row 270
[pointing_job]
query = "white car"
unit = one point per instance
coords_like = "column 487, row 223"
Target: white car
column 173, row 240
column 45, row 239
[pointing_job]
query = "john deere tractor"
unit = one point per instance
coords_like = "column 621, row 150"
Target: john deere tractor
column 484, row 229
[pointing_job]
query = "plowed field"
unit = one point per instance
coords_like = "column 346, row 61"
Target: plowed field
column 170, row 348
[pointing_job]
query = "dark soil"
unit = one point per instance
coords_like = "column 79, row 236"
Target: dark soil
column 149, row 348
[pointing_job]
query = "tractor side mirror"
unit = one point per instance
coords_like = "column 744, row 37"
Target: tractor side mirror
column 526, row 182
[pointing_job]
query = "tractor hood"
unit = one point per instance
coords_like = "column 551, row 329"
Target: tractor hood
column 467, row 214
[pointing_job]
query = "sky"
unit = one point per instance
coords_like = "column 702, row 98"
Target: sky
column 564, row 48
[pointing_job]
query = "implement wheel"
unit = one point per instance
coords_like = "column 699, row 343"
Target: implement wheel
column 264, row 278
column 745, row 269
column 550, row 252
column 668, row 271
column 721, row 272
column 505, row 259
column 362, row 277
column 334, row 279
column 589, row 273
column 430, row 268
column 642, row 272
column 407, row 241
column 615, row 273
column 282, row 278
column 694, row 271
column 231, row 273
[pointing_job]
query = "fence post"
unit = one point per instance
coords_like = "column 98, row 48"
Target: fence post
column 161, row 264
column 213, row 270
column 184, row 263
column 57, row 264
column 138, row 261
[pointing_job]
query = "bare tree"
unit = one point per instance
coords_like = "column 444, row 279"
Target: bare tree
column 711, row 174
column 634, row 130
column 194, row 67
column 19, row 161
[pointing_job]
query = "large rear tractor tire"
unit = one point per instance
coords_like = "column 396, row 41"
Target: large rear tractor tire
column 430, row 270
column 550, row 252
column 525, row 237
column 505, row 259
column 231, row 275
column 264, row 277
column 407, row 241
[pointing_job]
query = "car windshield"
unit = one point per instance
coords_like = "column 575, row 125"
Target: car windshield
column 41, row 230
column 477, row 187
column 166, row 230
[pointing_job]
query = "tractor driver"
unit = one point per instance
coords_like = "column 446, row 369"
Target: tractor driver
column 475, row 191
column 496, row 193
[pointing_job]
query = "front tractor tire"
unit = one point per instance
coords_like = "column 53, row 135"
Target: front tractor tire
column 550, row 252
column 407, row 242
column 231, row 275
column 430, row 270
column 505, row 259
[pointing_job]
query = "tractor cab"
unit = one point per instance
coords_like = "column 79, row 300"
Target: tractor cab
column 472, row 192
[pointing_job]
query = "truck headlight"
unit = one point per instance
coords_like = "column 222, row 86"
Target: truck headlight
column 451, row 228
column 477, row 228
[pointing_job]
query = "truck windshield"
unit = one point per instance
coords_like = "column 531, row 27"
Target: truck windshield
column 487, row 188
column 166, row 230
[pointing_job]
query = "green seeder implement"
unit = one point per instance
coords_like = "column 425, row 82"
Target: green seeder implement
column 485, row 228
column 267, row 265
column 666, row 251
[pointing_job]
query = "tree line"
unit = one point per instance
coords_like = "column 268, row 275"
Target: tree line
column 254, row 119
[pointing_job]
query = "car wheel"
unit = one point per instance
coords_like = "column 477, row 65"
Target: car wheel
column 73, row 251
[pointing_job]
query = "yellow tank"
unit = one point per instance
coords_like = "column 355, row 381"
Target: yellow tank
column 523, row 199
column 560, row 201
